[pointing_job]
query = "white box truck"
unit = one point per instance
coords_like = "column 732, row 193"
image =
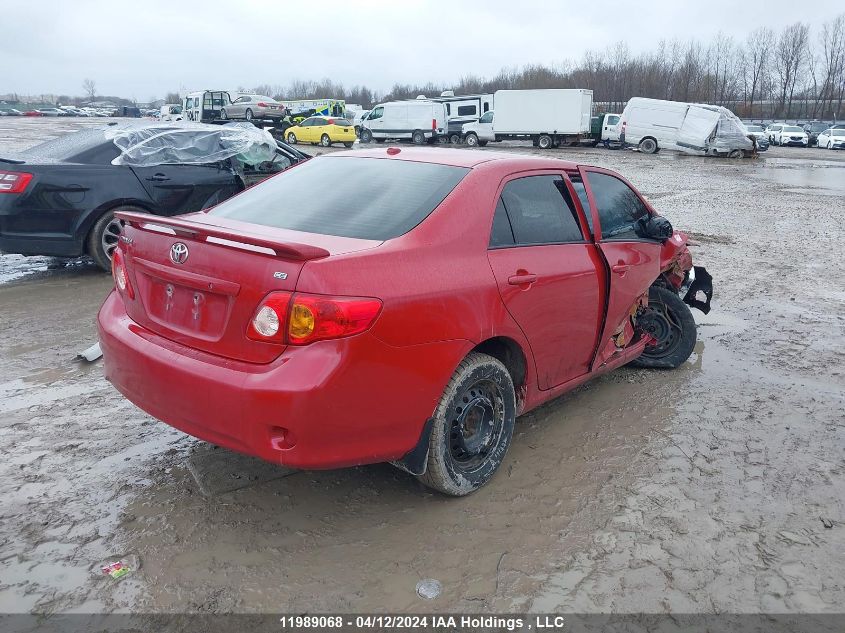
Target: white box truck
column 547, row 117
column 417, row 121
column 694, row 128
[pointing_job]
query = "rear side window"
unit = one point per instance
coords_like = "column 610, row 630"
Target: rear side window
column 540, row 211
column 370, row 198
column 502, row 234
column 618, row 206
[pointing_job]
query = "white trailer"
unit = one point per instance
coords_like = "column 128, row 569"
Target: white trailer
column 461, row 109
column 696, row 128
column 547, row 117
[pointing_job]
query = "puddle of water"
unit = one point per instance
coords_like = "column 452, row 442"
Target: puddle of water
column 827, row 181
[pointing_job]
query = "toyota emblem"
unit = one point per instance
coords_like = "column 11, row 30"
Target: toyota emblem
column 178, row 253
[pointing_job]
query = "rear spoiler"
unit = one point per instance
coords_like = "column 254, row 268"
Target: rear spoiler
column 13, row 161
column 222, row 236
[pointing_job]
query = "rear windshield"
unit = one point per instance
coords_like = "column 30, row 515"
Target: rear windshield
column 792, row 128
column 754, row 128
column 68, row 146
column 366, row 198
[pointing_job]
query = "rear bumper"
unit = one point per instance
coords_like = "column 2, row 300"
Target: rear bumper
column 337, row 411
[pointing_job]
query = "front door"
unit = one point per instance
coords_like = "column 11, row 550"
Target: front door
column 549, row 276
column 633, row 261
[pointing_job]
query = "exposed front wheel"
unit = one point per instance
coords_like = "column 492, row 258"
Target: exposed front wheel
column 325, row 141
column 669, row 321
column 472, row 139
column 473, row 427
column 366, row 136
column 223, row 114
column 248, row 114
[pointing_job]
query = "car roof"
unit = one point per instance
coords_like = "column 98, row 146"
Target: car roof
column 459, row 157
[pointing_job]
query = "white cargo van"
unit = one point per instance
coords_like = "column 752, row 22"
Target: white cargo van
column 655, row 124
column 418, row 121
column 170, row 112
column 546, row 117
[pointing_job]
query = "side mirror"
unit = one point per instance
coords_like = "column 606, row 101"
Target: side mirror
column 654, row 227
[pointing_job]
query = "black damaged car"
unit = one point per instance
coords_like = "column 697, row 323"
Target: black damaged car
column 59, row 198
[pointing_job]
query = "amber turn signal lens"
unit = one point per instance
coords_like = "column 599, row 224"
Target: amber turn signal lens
column 301, row 321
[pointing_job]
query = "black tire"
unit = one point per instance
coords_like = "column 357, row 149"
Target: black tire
column 366, row 136
column 544, row 141
column 736, row 153
column 248, row 114
column 348, row 144
column 380, row 140
column 670, row 320
column 472, row 139
column 455, row 139
column 482, row 143
column 325, row 141
column 648, row 146
column 473, row 427
column 291, row 138
column 418, row 138
column 104, row 235
column 223, row 114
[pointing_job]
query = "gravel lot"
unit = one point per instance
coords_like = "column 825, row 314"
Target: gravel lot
column 717, row 487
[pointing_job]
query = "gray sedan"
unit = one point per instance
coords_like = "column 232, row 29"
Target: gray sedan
column 251, row 107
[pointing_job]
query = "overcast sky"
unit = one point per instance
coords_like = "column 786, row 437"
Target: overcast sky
column 145, row 48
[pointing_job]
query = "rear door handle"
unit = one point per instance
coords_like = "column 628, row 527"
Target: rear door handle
column 158, row 178
column 620, row 269
column 521, row 280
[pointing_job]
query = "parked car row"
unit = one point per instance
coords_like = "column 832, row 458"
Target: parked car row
column 813, row 134
column 70, row 111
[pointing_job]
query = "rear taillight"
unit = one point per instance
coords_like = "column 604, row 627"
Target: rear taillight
column 300, row 319
column 434, row 124
column 261, row 104
column 14, row 181
column 270, row 319
column 121, row 277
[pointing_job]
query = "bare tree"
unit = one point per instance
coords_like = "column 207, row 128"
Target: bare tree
column 790, row 57
column 832, row 39
column 90, row 89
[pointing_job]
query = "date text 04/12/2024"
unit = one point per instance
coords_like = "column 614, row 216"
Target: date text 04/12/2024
column 455, row 622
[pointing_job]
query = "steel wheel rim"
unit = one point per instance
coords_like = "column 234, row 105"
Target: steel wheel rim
column 111, row 236
column 663, row 325
column 476, row 424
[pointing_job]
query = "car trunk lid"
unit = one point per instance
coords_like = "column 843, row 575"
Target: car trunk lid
column 198, row 279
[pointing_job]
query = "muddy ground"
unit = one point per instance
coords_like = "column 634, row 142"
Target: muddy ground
column 718, row 487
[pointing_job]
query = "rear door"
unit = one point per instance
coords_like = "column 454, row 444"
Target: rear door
column 548, row 274
column 633, row 262
column 178, row 189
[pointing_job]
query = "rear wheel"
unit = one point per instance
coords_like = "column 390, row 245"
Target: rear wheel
column 366, row 136
column 454, row 139
column 105, row 236
column 348, row 144
column 473, row 427
column 418, row 137
column 544, row 141
column 291, row 138
column 472, row 139
column 482, row 143
column 736, row 153
column 325, row 141
column 669, row 321
column 223, row 114
column 648, row 146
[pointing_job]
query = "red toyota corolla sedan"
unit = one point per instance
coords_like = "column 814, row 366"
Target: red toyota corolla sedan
column 395, row 305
